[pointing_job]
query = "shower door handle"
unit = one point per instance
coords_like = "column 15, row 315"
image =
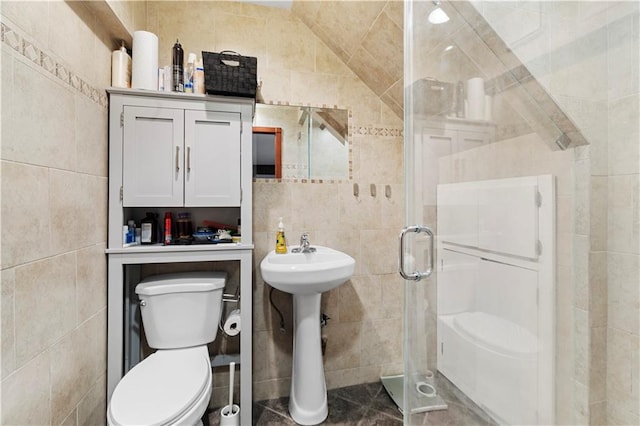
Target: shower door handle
column 416, row 275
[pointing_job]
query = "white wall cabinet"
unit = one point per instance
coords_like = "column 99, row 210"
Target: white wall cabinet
column 175, row 158
column 179, row 153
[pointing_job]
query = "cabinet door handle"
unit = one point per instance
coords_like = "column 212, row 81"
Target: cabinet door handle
column 177, row 159
column 189, row 159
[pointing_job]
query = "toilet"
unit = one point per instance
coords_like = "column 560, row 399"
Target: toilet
column 180, row 315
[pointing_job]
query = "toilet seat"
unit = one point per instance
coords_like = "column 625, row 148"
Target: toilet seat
column 161, row 388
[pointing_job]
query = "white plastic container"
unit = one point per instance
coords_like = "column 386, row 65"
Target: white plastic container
column 121, row 68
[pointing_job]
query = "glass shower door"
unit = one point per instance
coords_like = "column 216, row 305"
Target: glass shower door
column 490, row 157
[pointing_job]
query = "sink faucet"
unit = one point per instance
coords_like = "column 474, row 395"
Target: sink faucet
column 305, row 245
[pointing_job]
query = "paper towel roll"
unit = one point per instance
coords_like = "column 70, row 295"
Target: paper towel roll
column 475, row 98
column 145, row 61
column 232, row 323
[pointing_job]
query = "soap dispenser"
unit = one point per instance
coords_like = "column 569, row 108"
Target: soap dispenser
column 281, row 240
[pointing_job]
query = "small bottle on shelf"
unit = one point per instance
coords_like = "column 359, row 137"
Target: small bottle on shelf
column 167, row 228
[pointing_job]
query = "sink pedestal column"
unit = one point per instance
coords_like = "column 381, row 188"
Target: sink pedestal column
column 308, row 400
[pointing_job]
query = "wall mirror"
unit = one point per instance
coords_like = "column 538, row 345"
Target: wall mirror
column 294, row 142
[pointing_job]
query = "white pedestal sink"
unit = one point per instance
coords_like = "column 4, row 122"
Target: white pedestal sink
column 306, row 276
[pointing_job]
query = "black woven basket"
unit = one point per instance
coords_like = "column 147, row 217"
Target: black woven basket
column 230, row 74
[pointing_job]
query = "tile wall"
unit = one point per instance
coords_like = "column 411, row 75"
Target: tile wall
column 364, row 332
column 54, row 204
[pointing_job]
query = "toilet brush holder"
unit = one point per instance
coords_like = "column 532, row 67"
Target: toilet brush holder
column 230, row 413
column 230, row 416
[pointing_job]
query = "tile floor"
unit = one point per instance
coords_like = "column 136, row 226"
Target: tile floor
column 369, row 404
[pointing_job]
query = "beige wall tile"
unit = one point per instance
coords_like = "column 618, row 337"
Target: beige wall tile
column 341, row 378
column 598, row 213
column 78, row 210
column 343, row 345
column 291, row 47
column 363, row 211
column 91, row 281
column 372, row 73
column 598, row 413
column 52, row 141
column 43, row 292
column 360, row 299
column 91, row 137
column 623, row 292
column 381, row 160
column 384, row 41
column 71, row 420
column 25, row 206
column 327, row 62
column 580, row 404
column 355, row 16
column 381, row 342
column 622, row 386
column 313, row 207
column 379, row 251
column 74, row 369
column 581, row 271
column 582, row 346
column 270, row 202
column 32, row 18
column 623, row 229
column 25, row 394
column 353, row 93
column 7, row 330
column 313, row 88
column 74, row 41
column 623, row 52
column 392, row 287
column 618, row 417
column 598, row 368
column 598, row 278
column 624, row 136
column 269, row 389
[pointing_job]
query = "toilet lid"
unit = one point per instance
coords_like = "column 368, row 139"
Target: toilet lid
column 161, row 388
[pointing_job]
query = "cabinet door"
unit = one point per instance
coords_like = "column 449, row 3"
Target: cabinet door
column 212, row 165
column 152, row 166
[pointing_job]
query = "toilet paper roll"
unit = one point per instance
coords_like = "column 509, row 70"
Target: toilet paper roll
column 475, row 98
column 144, row 64
column 232, row 323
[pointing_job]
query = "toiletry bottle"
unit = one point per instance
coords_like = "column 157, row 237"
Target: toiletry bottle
column 121, row 68
column 148, row 231
column 281, row 240
column 178, row 64
column 190, row 73
column 198, row 79
column 167, row 228
column 125, row 234
column 131, row 235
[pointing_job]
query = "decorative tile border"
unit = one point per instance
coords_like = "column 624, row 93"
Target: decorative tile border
column 34, row 54
column 377, row 131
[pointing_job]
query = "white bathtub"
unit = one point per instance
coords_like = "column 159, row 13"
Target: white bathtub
column 493, row 361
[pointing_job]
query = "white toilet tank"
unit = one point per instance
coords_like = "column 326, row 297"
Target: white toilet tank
column 181, row 310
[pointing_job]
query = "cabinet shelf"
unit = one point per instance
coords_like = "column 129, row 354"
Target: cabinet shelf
column 160, row 248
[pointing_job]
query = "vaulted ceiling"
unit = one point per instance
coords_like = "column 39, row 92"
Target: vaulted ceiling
column 367, row 36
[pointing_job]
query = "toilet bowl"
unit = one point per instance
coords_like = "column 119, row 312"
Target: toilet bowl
column 180, row 315
column 170, row 387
